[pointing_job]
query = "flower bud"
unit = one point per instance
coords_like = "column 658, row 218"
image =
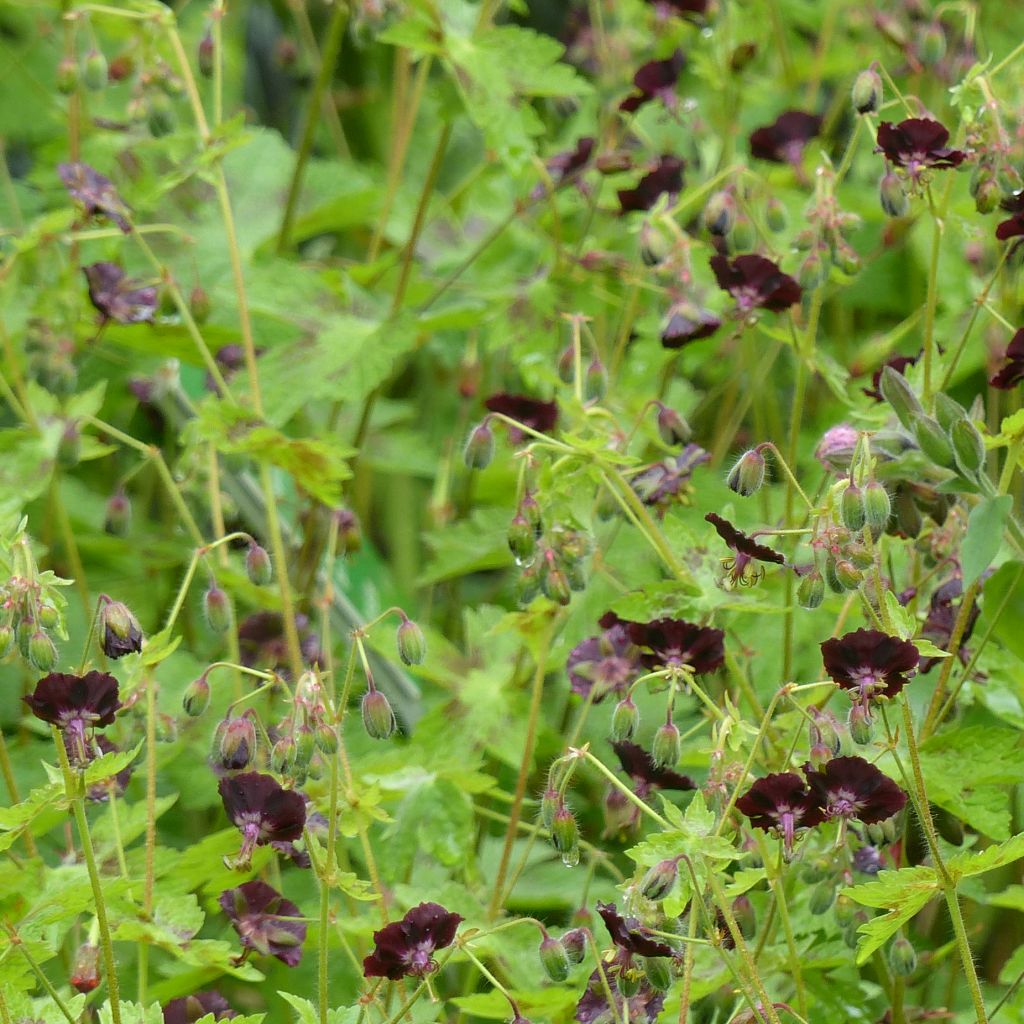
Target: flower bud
column 667, row 747
column 902, row 958
column 672, row 428
column 528, row 585
column 6, row 639
column 117, row 517
column 813, row 271
column 282, row 757
column 933, row 44
column 555, row 585
column 549, row 804
column 866, row 94
column 554, row 958
column 845, row 258
column 823, row 895
column 120, row 633
column 85, row 973
column 625, row 719
column 775, row 215
column 933, row 441
column 595, row 380
column 48, row 615
column 216, row 609
column 67, row 76
column 574, row 942
column 412, row 644
column 720, row 213
column 742, row 235
column 567, row 364
column 529, row 509
column 257, row 565
column 747, row 475
column 576, row 574
column 305, row 747
column 860, row 725
column 848, row 575
column 160, row 117
column 42, row 651
column 968, row 447
column 658, row 881
column 851, row 508
column 658, row 972
column 895, row 202
column 237, row 743
column 819, row 755
column 204, row 55
column 948, row 411
column 875, row 833
column 326, row 738
column 565, row 836
column 522, row 541
column 897, row 391
column 877, row 508
column 94, row 71
column 378, row 718
column 197, row 697
column 480, row 447
column 199, row 304
column 987, row 196
column 350, row 533
column 811, row 590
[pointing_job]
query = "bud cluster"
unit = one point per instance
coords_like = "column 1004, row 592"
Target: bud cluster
column 552, row 561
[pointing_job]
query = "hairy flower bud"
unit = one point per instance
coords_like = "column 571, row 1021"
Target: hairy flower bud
column 528, row 585
column 216, row 609
column 522, row 541
column 811, row 590
column 555, row 585
column 85, row 973
column 549, row 804
column 554, row 958
column 197, row 697
column 866, row 94
column 625, row 719
column 900, row 395
column 117, row 517
column 94, row 71
column 747, row 475
column 120, row 633
column 595, row 380
column 720, row 213
column 326, row 737
column 851, row 508
column 894, row 199
column 672, row 428
column 823, row 895
column 667, row 747
column 968, row 447
column 42, row 652
column 860, row 725
column 480, row 446
column 574, row 942
column 933, row 441
column 775, row 215
column 236, row 746
column 199, row 304
column 565, row 836
column 204, row 55
column 529, row 509
column 67, row 76
column 567, row 364
column 877, row 508
column 282, row 757
column 848, row 575
column 412, row 644
column 932, row 46
column 378, row 718
column 658, row 972
column 902, row 957
column 660, row 879
column 257, row 565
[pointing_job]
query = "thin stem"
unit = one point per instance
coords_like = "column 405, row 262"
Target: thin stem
column 43, row 980
column 622, row 787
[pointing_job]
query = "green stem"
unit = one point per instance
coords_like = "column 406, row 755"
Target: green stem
column 623, row 788
column 44, row 981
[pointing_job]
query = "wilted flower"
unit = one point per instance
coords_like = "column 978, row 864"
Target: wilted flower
column 629, row 934
column 655, row 80
column 1012, row 372
column 781, row 801
column 120, row 633
column 531, row 412
column 783, row 140
column 850, row 787
column 189, row 1009
column 687, row 322
column 646, row 776
column 898, row 363
column 869, row 663
column 667, row 176
column 407, row 947
column 741, row 567
column 265, row 921
column 262, row 810
column 678, row 642
column 755, row 282
column 76, row 705
column 118, row 297
column 606, row 663
column 917, row 143
column 566, row 164
column 669, row 479
column 95, row 192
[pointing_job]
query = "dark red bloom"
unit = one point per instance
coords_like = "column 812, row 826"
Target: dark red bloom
column 531, row 412
column 898, row 363
column 117, row 297
column 755, row 281
column 869, row 663
column 655, row 80
column 189, row 1009
column 1012, row 372
column 669, row 479
column 606, row 663
column 850, row 787
column 95, row 192
column 629, row 934
column 638, row 764
column 262, row 810
column 667, row 176
column 645, row 1004
column 407, row 947
column 784, row 139
column 687, row 323
column 1014, row 225
column 678, row 642
column 745, row 549
column 76, row 705
column 781, row 801
column 917, row 143
column 265, row 921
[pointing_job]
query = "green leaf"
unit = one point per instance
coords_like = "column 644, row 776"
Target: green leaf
column 970, row 863
column 306, row 1012
column 473, row 545
column 901, row 893
column 928, row 650
column 984, row 535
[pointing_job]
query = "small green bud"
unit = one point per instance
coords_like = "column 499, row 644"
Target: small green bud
column 672, row 428
column 658, row 972
column 197, row 697
column 199, row 304
column 595, row 380
column 117, row 518
column 350, row 533
column 6, row 639
column 933, row 441
column 555, row 585
column 968, row 447
column 823, row 895
column 813, row 271
column 67, row 76
column 746, row 918
column 667, row 747
column 720, row 213
column 326, row 737
column 948, row 411
column 204, row 55
column 236, row 746
column 42, row 651
column 811, row 590
column 522, row 541
column 554, row 959
column 625, row 719
column 660, row 879
column 549, row 804
column 378, row 718
column 894, row 199
column 217, row 609
column 412, row 644
column 529, row 509
column 742, row 235
column 480, row 447
column 875, row 833
column 877, row 508
column 48, row 615
column 933, row 43
column 94, row 71
column 900, row 395
column 845, row 909
column 257, row 565
column 846, row 258
column 528, row 585
column 987, row 196
column 576, row 574
column 305, row 747
column 567, row 364
column 574, row 942
column 831, row 578
column 866, row 94
column 851, row 508
column 565, row 836
column 860, row 725
column 902, row 958
column 848, row 575
column 775, row 215
column 747, row 475
column 282, row 757
column 69, row 447
column 160, row 117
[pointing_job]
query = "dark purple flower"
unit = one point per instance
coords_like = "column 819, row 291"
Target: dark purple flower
column 1014, row 225
column 669, row 479
column 655, row 80
column 678, row 642
column 531, row 412
column 76, row 705
column 784, row 139
column 120, row 633
column 687, row 322
column 189, row 1009
column 407, row 947
column 262, row 810
column 1012, row 372
column 645, row 1004
column 869, row 663
column 606, row 663
column 667, row 176
column 629, row 934
column 867, row 860
column 265, row 921
column 638, row 764
column 898, row 363
column 95, row 192
column 118, row 297
column 917, row 143
column 781, row 801
column 746, row 551
column 755, row 281
column 850, row 787
column 566, row 164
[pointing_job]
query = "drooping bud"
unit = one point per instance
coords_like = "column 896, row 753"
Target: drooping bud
column 257, row 565
column 968, row 447
column 326, row 737
column 813, row 271
column 747, row 475
column 94, row 71
column 848, row 575
column 933, row 441
column 660, row 879
column 851, row 508
column 412, row 644
column 775, row 215
column 565, row 836
column 350, row 533
column 237, row 743
column 305, row 747
column 742, row 235
column 894, row 199
column 595, row 380
column 67, row 76
column 720, row 213
column 877, row 508
column 625, row 719
column 823, row 895
column 216, row 609
column 672, row 428
column 42, row 651
column 529, row 509
column 48, row 615
column 860, row 725
column 527, row 585
column 119, row 630
column 160, row 116
column 117, row 518
column 554, row 958
column 197, row 697
column 897, row 391
column 204, row 55
column 811, row 590
column 902, row 957
column 480, row 446
column 555, row 585
column 658, row 972
column 567, row 364
column 846, row 258
column 282, row 757
column 574, row 942
column 85, row 973
column 199, row 304
column 378, row 718
column 987, row 196
column 866, row 94
column 746, row 917
column 549, row 804
column 522, row 541
column 933, row 43
column 667, row 746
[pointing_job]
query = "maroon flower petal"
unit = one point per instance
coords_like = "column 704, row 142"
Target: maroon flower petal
column 608, row 662
column 95, row 192
column 678, row 642
column 265, row 921
column 406, row 947
column 743, row 544
column 917, row 142
column 189, row 1009
column 1013, row 372
column 638, row 764
column 687, row 323
column 629, row 934
column 869, row 662
column 655, row 80
column 60, row 697
column 784, row 139
column 850, row 787
column 531, row 412
column 116, row 297
column 755, row 281
column 770, row 798
column 254, row 798
column 667, row 176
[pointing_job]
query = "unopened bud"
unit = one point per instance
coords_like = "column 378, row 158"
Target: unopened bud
column 851, row 508
column 933, row 441
column 326, row 737
column 160, row 116
column 848, row 575
column 823, row 895
column 85, row 973
column 67, row 76
column 41, row 651
column 119, row 630
column 813, row 271
column 522, row 541
column 846, row 258
column 574, row 942
column 811, row 590
column 529, row 509
column 378, row 718
column 48, row 615
column 897, row 391
column 672, row 428
column 877, row 508
column 625, row 719
column 933, row 44
column 527, row 585
column 775, row 215
column 595, row 380
column 216, row 609
column 866, row 94
column 350, row 534
column 412, row 644
column 667, row 747
column 720, row 213
column 746, row 918
column 197, row 697
column 282, row 757
column 480, row 447
column 554, row 959
column 69, row 447
column 94, row 71
column 893, row 196
column 565, row 836
column 658, row 972
column 902, row 958
column 6, row 639
column 968, row 447
column 747, row 475
column 860, row 725
column 742, row 235
column 205, row 55
column 237, row 743
column 199, row 304
column 555, row 585
column 117, row 518
column 660, row 879
column 567, row 364
column 305, row 747
column 549, row 804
